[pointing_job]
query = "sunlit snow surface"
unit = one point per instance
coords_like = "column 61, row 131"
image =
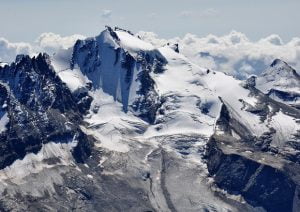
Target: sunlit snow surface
column 19, row 174
column 109, row 124
column 186, row 87
column 132, row 43
column 281, row 76
column 193, row 100
column 3, row 122
column 281, row 82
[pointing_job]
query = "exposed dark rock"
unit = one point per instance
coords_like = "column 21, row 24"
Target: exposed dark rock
column 174, row 46
column 276, row 62
column 284, row 95
column 250, row 82
column 227, row 123
column 259, row 184
column 39, row 106
column 83, row 149
column 88, row 54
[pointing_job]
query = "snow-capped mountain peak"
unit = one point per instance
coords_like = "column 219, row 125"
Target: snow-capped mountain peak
column 120, row 38
column 281, row 82
column 117, row 123
column 278, row 62
column 281, row 68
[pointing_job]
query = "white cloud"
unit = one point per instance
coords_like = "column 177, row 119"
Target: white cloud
column 234, row 53
column 46, row 42
column 273, row 39
column 294, row 42
column 106, row 13
column 51, row 42
column 235, row 37
column 152, row 38
column 8, row 50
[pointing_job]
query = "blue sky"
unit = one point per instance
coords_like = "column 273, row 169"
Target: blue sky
column 25, row 20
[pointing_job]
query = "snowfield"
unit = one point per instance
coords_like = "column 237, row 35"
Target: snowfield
column 188, row 90
column 151, row 116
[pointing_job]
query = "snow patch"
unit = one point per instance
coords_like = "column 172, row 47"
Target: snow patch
column 35, row 163
column 286, row 126
column 132, row 43
column 3, row 122
column 109, row 124
column 73, row 78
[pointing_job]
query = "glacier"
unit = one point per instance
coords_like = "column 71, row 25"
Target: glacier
column 147, row 129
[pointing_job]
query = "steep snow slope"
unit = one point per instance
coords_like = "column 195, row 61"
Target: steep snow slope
column 186, row 102
column 132, row 44
column 122, row 73
column 180, row 126
column 182, row 97
column 15, row 175
column 168, row 135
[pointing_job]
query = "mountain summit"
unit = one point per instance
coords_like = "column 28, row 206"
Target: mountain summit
column 281, row 82
column 116, row 124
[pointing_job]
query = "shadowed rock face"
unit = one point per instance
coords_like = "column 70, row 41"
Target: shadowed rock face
column 117, row 72
column 261, row 185
column 39, row 108
column 249, row 167
column 285, row 96
column 164, row 148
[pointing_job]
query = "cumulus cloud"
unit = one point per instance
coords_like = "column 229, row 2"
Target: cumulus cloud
column 234, row 53
column 152, row 38
column 8, row 50
column 294, row 42
column 273, row 39
column 106, row 13
column 237, row 55
column 51, row 42
column 46, row 42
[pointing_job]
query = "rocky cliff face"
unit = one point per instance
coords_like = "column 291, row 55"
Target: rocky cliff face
column 115, row 124
column 121, row 73
column 251, row 167
column 38, row 109
column 259, row 182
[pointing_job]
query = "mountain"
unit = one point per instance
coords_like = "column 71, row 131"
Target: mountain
column 116, row 124
column 281, row 82
column 32, row 117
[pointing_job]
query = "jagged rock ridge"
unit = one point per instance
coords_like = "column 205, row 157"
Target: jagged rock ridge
column 115, row 124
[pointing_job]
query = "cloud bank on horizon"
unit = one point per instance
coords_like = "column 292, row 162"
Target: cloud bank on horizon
column 233, row 53
column 46, row 42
